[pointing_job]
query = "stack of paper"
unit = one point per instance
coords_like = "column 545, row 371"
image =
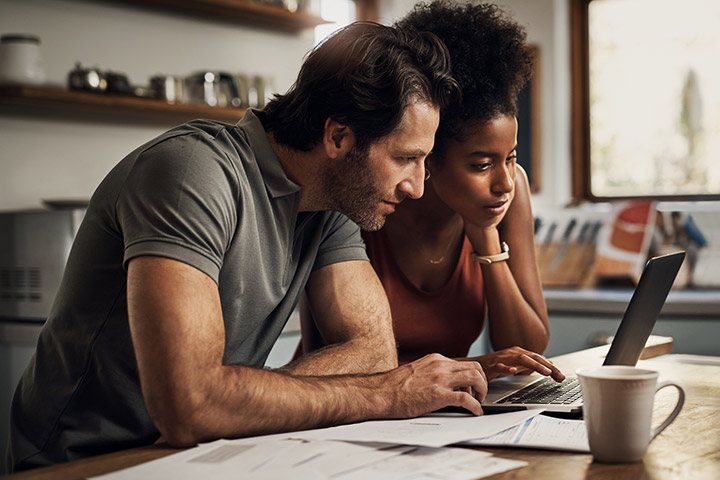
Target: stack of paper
column 413, row 449
column 541, row 432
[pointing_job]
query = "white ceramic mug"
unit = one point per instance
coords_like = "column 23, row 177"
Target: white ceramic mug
column 618, row 406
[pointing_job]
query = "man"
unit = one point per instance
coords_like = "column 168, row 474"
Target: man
column 196, row 247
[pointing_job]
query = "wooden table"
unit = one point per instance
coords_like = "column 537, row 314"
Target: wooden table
column 688, row 449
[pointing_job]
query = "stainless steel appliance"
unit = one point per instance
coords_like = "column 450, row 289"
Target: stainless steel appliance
column 34, row 247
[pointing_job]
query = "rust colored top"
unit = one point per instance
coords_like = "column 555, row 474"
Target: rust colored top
column 447, row 320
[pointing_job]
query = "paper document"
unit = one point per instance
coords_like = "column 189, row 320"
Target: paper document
column 427, row 463
column 412, row 449
column 433, row 430
column 267, row 458
column 331, row 458
column 318, row 460
column 541, row 432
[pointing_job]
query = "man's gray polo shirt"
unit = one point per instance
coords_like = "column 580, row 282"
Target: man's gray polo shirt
column 208, row 194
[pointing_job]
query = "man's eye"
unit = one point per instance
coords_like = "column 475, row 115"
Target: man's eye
column 511, row 160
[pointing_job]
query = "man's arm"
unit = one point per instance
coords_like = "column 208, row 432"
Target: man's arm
column 178, row 336
column 352, row 314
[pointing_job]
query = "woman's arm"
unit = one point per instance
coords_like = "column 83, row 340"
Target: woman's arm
column 517, row 313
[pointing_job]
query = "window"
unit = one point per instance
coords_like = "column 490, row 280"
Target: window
column 646, row 110
column 338, row 12
column 343, row 12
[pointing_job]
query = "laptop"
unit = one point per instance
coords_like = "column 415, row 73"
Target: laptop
column 520, row 392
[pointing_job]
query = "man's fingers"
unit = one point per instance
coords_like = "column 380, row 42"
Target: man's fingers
column 451, row 383
column 466, row 401
column 471, row 374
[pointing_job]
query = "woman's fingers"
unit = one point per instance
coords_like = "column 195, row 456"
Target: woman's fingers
column 495, row 370
column 542, row 365
column 517, row 360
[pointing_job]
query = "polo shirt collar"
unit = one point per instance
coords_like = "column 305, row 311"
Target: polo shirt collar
column 276, row 181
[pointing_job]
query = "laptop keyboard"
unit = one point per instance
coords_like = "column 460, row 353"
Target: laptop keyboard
column 547, row 392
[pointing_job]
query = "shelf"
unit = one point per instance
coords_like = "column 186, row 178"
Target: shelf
column 59, row 101
column 239, row 11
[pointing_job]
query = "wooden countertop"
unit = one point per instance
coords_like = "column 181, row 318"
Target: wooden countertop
column 689, row 448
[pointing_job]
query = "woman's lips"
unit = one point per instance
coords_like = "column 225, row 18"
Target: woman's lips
column 497, row 208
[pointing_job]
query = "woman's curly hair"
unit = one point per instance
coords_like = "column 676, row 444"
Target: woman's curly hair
column 490, row 59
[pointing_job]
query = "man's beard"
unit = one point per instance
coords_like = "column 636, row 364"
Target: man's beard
column 350, row 186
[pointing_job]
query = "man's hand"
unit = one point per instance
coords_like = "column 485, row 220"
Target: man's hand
column 431, row 383
column 517, row 360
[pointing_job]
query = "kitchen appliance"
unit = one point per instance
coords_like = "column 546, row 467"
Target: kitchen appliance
column 118, row 83
column 169, row 88
column 217, row 89
column 263, row 90
column 34, row 247
column 91, row 79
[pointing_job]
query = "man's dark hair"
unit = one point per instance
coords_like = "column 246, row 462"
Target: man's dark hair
column 490, row 59
column 363, row 76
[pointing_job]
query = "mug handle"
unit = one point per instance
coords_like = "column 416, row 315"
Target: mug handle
column 674, row 413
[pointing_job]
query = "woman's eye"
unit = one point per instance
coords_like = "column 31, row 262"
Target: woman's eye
column 481, row 166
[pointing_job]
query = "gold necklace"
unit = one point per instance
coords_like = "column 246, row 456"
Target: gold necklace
column 447, row 249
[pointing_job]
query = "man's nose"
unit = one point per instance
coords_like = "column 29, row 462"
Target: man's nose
column 414, row 184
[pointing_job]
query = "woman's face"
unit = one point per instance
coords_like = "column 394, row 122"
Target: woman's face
column 477, row 176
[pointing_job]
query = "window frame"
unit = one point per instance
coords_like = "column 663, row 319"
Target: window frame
column 580, row 115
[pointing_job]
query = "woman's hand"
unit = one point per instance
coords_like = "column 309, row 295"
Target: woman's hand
column 517, row 360
column 483, row 231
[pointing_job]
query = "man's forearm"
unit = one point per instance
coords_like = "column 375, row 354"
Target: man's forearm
column 242, row 401
column 237, row 401
column 357, row 356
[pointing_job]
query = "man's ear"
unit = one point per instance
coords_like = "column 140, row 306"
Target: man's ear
column 338, row 139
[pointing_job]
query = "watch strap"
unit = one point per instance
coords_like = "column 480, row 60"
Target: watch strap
column 488, row 259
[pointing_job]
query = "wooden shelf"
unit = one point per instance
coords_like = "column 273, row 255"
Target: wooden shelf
column 241, row 11
column 59, row 101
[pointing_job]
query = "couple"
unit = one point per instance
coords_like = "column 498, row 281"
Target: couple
column 197, row 246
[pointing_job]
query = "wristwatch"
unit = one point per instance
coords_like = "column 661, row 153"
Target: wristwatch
column 488, row 259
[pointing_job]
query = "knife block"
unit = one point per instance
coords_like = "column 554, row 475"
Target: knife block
column 567, row 265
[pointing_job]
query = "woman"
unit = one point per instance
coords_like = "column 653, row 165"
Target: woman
column 465, row 250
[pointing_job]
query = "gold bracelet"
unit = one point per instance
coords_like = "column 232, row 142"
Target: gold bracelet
column 488, row 259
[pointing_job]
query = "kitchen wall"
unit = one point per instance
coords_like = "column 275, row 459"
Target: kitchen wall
column 44, row 157
column 58, row 158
